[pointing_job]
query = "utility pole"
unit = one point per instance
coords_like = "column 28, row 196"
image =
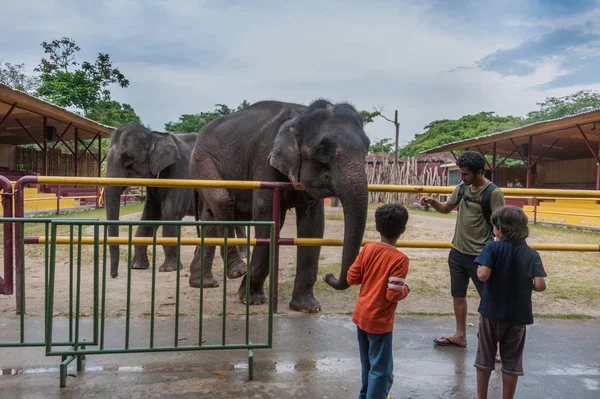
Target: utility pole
column 397, row 124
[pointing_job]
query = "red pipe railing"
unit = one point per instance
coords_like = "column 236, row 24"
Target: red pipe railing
column 6, row 283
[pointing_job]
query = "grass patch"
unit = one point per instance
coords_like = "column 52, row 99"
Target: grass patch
column 569, row 316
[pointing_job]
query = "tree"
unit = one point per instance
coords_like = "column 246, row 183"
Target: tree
column 14, row 76
column 80, row 88
column 369, row 117
column 188, row 123
column 113, row 113
column 384, row 145
column 446, row 131
column 558, row 107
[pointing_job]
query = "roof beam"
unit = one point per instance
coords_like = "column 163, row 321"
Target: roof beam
column 30, row 135
column 518, row 151
column 60, row 138
column 12, row 108
column 587, row 142
column 544, row 153
column 505, row 159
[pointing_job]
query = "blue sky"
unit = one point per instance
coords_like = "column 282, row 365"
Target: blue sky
column 431, row 60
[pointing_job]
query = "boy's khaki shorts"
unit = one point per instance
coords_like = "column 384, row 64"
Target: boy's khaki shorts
column 512, row 342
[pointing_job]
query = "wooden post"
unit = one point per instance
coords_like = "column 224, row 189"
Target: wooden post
column 397, row 134
column 99, row 169
column 494, row 179
column 45, row 132
column 76, row 155
column 598, row 169
column 529, row 151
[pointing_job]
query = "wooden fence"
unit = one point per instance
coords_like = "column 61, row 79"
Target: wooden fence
column 31, row 161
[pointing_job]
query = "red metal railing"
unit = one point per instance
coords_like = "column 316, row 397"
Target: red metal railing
column 6, row 283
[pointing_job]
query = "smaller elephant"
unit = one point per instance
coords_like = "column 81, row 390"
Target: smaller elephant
column 136, row 152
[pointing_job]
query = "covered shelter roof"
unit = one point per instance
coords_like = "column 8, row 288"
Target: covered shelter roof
column 569, row 137
column 22, row 120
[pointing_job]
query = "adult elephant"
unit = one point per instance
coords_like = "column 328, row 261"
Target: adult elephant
column 322, row 147
column 136, row 152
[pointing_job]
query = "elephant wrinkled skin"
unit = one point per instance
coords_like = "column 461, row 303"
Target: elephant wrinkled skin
column 136, row 152
column 322, row 147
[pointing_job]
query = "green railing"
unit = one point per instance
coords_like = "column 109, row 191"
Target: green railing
column 96, row 333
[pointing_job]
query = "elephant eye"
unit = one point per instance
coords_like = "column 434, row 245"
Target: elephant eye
column 323, row 153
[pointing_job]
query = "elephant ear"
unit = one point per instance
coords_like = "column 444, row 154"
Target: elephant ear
column 285, row 154
column 163, row 153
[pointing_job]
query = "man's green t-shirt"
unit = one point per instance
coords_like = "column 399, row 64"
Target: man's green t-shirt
column 472, row 231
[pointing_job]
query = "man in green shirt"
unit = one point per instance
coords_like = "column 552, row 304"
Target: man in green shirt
column 471, row 233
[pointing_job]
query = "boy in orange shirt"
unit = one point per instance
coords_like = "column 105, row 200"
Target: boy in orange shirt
column 381, row 271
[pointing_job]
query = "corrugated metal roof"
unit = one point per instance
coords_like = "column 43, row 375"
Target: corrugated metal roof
column 38, row 105
column 512, row 132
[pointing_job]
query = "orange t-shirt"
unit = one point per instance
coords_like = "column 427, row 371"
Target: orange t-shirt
column 381, row 271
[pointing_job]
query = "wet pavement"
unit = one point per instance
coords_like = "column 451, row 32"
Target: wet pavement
column 314, row 356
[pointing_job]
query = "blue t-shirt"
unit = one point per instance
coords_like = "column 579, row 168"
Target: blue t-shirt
column 506, row 295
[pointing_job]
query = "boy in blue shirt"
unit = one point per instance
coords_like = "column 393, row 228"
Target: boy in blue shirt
column 510, row 270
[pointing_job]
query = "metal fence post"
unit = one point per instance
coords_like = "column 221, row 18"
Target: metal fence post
column 6, row 283
column 277, row 220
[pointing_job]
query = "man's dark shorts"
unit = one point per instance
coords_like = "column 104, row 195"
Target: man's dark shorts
column 462, row 268
column 512, row 342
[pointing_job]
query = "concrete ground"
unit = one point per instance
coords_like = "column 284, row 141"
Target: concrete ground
column 313, row 356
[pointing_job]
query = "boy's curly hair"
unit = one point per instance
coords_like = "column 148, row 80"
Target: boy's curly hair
column 391, row 220
column 512, row 221
column 471, row 160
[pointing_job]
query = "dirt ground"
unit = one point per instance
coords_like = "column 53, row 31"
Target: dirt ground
column 572, row 276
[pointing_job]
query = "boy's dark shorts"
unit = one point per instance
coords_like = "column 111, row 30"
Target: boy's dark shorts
column 512, row 342
column 462, row 268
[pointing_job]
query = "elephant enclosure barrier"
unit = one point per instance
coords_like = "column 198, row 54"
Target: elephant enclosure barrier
column 76, row 322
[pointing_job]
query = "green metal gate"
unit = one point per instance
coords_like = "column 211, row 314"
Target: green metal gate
column 87, row 330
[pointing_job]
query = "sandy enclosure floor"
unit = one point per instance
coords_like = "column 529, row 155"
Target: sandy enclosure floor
column 572, row 283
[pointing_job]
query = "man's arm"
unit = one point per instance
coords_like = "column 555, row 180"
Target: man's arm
column 442, row 207
column 497, row 199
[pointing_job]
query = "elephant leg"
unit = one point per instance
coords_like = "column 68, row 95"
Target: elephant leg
column 240, row 232
column 221, row 204
column 140, row 252
column 209, row 254
column 173, row 208
column 310, row 223
column 259, row 263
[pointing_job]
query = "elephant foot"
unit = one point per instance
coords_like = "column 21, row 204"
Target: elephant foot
column 257, row 296
column 140, row 263
column 236, row 269
column 305, row 304
column 169, row 266
column 209, row 282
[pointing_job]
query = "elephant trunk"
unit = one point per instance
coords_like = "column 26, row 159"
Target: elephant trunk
column 112, row 200
column 354, row 195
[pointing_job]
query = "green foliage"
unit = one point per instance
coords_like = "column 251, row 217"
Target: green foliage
column 558, row 107
column 446, row 131
column 14, row 76
column 80, row 88
column 189, row 123
column 369, row 117
column 113, row 113
column 384, row 145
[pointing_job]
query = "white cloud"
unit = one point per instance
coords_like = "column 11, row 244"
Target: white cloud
column 186, row 56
